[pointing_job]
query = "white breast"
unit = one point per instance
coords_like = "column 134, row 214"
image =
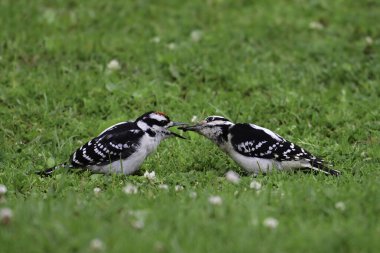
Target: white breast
column 149, row 143
column 126, row 166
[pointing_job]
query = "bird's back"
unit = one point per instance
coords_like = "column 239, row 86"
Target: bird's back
column 252, row 141
column 117, row 142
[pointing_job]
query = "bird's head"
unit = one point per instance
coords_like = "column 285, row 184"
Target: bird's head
column 213, row 127
column 157, row 124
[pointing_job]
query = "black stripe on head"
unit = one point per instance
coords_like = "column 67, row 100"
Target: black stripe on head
column 215, row 118
column 144, row 115
column 154, row 118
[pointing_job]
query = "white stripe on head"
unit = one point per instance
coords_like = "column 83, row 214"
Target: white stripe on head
column 217, row 120
column 157, row 117
column 217, row 117
column 141, row 124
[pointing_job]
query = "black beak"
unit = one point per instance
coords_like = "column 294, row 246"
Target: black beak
column 178, row 124
column 173, row 124
column 194, row 128
column 176, row 135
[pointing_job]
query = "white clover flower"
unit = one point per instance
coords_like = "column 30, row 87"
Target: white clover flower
column 196, row 35
column 3, row 190
column 172, row 46
column 163, row 187
column 97, row 191
column 138, row 224
column 138, row 218
column 97, row 245
column 49, row 15
column 130, row 189
column 233, row 177
column 369, row 40
column 315, row 25
column 6, row 215
column 215, row 200
column 178, row 188
column 255, row 185
column 156, row 40
column 150, row 175
column 270, row 222
column 340, row 205
column 194, row 119
column 193, row 194
column 113, row 65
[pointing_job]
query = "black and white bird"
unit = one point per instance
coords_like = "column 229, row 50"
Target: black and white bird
column 257, row 149
column 121, row 148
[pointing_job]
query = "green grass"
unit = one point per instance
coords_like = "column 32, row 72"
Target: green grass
column 257, row 61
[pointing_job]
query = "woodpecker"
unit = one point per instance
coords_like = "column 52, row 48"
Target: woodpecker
column 121, row 148
column 257, row 149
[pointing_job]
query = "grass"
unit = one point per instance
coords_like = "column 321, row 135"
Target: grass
column 266, row 62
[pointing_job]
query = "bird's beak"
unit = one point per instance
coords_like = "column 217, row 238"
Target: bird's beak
column 195, row 128
column 176, row 135
column 173, row 124
column 177, row 124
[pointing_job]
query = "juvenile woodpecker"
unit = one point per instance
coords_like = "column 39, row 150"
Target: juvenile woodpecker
column 121, row 148
column 257, row 149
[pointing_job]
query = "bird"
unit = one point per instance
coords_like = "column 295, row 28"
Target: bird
column 121, row 148
column 257, row 149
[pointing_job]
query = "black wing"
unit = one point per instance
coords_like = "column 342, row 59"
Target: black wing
column 115, row 143
column 254, row 141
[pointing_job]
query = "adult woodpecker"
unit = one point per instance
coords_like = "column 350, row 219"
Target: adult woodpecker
column 121, row 148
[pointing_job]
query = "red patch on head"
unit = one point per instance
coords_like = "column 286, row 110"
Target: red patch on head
column 161, row 113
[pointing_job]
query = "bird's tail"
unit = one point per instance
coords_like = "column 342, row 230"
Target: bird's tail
column 49, row 171
column 326, row 170
column 318, row 166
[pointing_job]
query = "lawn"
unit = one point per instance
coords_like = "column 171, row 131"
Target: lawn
column 309, row 70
